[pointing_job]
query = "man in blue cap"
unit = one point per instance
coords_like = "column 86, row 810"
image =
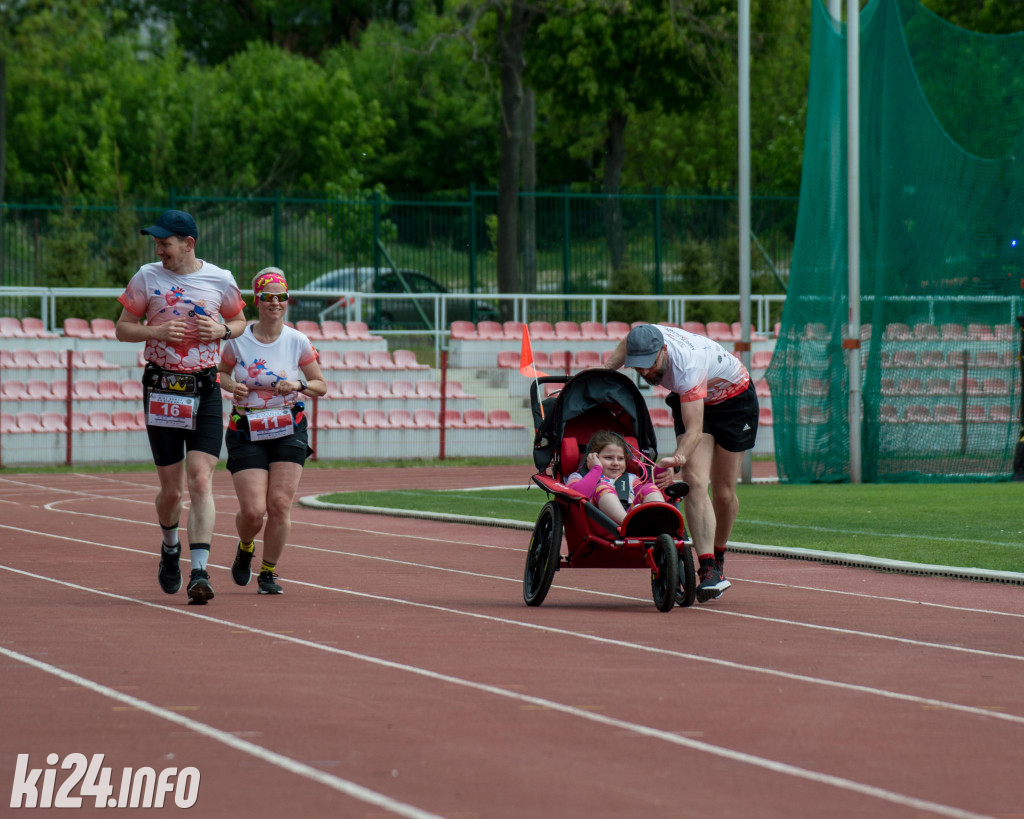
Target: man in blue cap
column 714, row 412
column 175, row 305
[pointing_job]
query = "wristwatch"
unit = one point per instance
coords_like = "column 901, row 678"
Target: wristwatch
column 302, row 385
column 227, row 332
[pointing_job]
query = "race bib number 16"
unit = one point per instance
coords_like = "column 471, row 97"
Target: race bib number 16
column 168, row 410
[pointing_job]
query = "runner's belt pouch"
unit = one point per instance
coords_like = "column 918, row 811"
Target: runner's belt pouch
column 201, row 382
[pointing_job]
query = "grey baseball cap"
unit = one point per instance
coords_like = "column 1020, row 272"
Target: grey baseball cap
column 643, row 344
column 173, row 223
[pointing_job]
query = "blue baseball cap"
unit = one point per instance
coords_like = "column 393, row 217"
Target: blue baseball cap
column 172, row 223
column 643, row 344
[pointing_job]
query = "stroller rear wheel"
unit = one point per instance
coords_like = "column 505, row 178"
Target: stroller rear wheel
column 665, row 582
column 686, row 595
column 544, row 554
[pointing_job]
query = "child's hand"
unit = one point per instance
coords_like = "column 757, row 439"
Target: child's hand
column 593, row 460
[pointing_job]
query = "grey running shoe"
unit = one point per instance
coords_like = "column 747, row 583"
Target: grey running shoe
column 169, row 574
column 199, row 589
column 712, row 583
column 267, row 584
column 241, row 569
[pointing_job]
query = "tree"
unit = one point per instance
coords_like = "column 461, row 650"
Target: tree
column 985, row 16
column 608, row 61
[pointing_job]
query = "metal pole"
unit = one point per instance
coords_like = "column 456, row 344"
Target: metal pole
column 743, row 346
column 853, row 226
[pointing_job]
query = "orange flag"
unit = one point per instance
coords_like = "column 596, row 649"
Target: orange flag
column 526, row 357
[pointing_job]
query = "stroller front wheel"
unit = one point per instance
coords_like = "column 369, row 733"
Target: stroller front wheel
column 665, row 581
column 544, row 554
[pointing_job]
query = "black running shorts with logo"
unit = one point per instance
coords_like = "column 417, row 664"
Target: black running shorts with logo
column 732, row 422
column 246, row 454
column 170, row 445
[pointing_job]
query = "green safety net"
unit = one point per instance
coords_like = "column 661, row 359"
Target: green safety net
column 941, row 257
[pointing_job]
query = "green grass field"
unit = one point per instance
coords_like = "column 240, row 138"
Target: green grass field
column 969, row 525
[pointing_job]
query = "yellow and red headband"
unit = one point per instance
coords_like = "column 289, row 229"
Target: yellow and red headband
column 266, row 279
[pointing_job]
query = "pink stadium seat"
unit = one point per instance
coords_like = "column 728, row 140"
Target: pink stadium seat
column 349, row 418
column 37, row 390
column 567, row 331
column 310, row 329
column 451, row 419
column 508, row 359
column 474, row 419
column 986, row 358
column 592, row 330
column 131, row 389
column 812, row 415
column 760, row 360
column 616, row 330
column 453, row 389
column 541, row 331
column 490, row 330
column 561, row 360
column 973, row 386
column 1002, row 332
column 425, row 419
column 28, row 422
column 403, row 389
column 952, row 332
column 910, row 386
column 94, row 360
column 333, row 391
column 8, row 423
column 77, row 328
column 352, row 389
column 904, row 359
column 937, row 386
column 59, row 389
column 463, row 331
column 898, row 331
column 123, row 420
column 331, row 360
column 995, row 386
column 325, row 418
column 79, row 421
column 720, row 331
column 355, row 360
column 103, row 328
column 1000, row 413
column 10, row 327
column 764, row 417
column 375, row 419
column 513, row 330
column 946, row 413
column 695, row 327
column 932, row 358
column 406, row 360
column 108, row 389
column 925, row 331
column 661, row 416
column 84, row 390
column 428, row 389
column 99, row 421
column 502, row 418
column 51, row 359
column 956, row 358
column 22, row 359
column 380, row 360
column 376, row 388
column 33, row 327
column 917, row 413
column 980, row 332
column 401, row 418
column 11, row 389
column 333, row 330
column 761, row 388
column 53, row 422
column 975, row 412
column 587, row 358
column 359, row 330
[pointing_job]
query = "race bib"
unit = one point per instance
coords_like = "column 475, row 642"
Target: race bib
column 267, row 424
column 169, row 410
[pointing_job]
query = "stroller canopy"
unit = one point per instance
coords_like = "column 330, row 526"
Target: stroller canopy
column 597, row 399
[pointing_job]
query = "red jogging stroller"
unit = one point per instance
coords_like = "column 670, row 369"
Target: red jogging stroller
column 651, row 536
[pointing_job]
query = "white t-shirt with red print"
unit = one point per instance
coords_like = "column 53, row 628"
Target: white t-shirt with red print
column 260, row 366
column 701, row 369
column 160, row 296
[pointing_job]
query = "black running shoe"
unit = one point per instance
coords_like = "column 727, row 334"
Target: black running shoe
column 199, row 588
column 169, row 574
column 712, row 583
column 268, row 584
column 241, row 569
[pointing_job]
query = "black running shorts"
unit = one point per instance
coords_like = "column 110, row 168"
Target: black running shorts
column 170, row 445
column 732, row 423
column 246, row 454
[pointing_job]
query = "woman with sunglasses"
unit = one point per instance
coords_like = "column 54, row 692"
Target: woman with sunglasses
column 268, row 370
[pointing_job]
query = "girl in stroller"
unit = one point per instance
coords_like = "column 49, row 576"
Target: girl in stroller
column 606, row 482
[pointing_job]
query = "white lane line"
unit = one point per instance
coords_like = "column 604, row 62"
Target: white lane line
column 344, row 786
column 763, row 763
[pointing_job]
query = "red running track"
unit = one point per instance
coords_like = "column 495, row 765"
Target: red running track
column 401, row 675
